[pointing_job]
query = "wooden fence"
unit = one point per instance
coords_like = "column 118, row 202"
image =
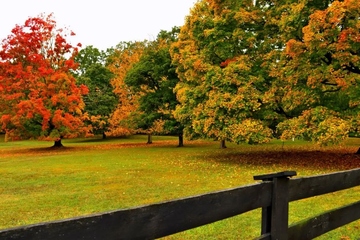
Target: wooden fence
column 273, row 195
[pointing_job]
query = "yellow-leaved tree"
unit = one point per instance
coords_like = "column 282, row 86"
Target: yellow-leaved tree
column 322, row 64
column 252, row 70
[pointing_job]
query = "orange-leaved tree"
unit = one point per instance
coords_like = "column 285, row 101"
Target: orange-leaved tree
column 120, row 61
column 39, row 96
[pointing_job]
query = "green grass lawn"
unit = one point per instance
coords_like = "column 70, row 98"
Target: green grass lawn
column 38, row 183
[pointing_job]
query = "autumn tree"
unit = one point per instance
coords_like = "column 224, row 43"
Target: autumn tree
column 324, row 64
column 219, row 54
column 101, row 101
column 251, row 70
column 39, row 96
column 153, row 78
column 120, row 61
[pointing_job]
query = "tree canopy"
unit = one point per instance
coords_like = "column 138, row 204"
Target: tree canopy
column 240, row 71
column 251, row 70
column 324, row 65
column 39, row 96
column 101, row 101
column 120, row 61
column 153, row 78
column 219, row 62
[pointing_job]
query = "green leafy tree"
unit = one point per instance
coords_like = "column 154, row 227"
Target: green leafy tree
column 101, row 101
column 153, row 78
column 89, row 56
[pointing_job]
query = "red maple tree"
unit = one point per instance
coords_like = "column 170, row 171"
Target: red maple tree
column 39, row 96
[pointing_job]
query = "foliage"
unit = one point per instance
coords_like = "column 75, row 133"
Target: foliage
column 324, row 65
column 89, row 56
column 120, row 61
column 219, row 63
column 318, row 124
column 266, row 63
column 100, row 102
column 39, row 96
column 153, row 78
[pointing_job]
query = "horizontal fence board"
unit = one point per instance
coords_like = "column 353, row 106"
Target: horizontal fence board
column 152, row 221
column 306, row 187
column 266, row 236
column 323, row 223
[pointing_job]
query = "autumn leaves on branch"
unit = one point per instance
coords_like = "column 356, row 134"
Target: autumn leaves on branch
column 39, row 95
column 252, row 70
column 240, row 71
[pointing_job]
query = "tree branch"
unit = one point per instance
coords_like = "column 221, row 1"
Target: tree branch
column 281, row 111
column 326, row 82
column 332, row 90
column 352, row 68
column 328, row 58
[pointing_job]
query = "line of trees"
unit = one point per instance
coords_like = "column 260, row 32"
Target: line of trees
column 239, row 71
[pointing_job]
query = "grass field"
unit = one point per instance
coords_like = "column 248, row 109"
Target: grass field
column 38, row 183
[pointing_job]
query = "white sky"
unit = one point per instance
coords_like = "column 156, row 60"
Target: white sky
column 101, row 23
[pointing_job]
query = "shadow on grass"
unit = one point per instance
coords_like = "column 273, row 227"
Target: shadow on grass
column 50, row 149
column 292, row 159
column 96, row 140
column 66, row 148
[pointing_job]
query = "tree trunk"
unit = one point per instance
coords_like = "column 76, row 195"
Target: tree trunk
column 358, row 151
column 181, row 140
column 222, row 144
column 149, row 139
column 58, row 143
column 103, row 135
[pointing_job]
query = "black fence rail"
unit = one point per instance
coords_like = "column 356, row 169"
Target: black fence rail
column 272, row 195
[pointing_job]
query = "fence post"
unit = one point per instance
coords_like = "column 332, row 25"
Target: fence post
column 275, row 218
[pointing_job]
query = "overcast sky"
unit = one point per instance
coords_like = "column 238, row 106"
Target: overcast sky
column 101, row 23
